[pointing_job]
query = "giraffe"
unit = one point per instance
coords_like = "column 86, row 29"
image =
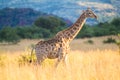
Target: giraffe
column 58, row 46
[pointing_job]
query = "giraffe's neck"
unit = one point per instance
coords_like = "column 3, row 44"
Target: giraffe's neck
column 69, row 34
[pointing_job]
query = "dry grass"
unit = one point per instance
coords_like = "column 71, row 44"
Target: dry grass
column 89, row 65
column 77, row 44
column 86, row 61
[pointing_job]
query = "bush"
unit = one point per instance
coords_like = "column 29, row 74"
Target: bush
column 118, row 42
column 101, row 29
column 47, row 27
column 90, row 41
column 86, row 31
column 109, row 40
column 26, row 59
column 51, row 23
column 9, row 35
column 33, row 32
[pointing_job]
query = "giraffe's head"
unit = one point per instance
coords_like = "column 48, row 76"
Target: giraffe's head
column 90, row 14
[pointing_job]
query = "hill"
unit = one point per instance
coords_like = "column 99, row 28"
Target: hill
column 71, row 9
column 18, row 16
column 21, row 16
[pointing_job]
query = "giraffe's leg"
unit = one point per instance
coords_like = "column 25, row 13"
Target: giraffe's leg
column 65, row 59
column 58, row 60
column 40, row 59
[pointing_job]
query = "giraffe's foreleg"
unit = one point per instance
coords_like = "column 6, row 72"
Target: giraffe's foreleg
column 61, row 56
column 65, row 59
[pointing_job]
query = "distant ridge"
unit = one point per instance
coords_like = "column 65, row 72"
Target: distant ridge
column 69, row 9
column 21, row 17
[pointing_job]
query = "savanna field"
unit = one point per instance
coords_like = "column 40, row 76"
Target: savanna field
column 89, row 59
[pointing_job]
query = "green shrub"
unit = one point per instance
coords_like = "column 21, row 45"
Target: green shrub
column 118, row 42
column 109, row 40
column 26, row 59
column 90, row 41
column 9, row 35
column 47, row 27
column 50, row 23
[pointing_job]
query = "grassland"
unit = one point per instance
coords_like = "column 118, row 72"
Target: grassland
column 77, row 44
column 86, row 61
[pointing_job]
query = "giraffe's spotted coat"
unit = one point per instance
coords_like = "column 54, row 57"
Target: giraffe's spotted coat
column 58, row 47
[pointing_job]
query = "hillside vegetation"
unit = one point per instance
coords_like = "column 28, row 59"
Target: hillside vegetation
column 47, row 27
column 70, row 9
column 18, row 16
column 101, row 29
column 22, row 16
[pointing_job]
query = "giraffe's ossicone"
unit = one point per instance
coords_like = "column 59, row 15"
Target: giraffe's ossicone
column 58, row 46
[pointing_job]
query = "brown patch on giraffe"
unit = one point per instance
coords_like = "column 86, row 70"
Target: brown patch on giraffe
column 71, row 31
column 77, row 24
column 75, row 28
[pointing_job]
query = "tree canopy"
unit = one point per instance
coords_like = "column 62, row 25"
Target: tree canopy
column 47, row 29
column 49, row 22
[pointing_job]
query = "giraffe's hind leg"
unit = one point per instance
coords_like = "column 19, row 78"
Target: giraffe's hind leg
column 40, row 59
column 58, row 60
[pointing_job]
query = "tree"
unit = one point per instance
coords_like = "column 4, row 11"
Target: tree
column 116, row 22
column 9, row 34
column 86, row 31
column 51, row 23
column 33, row 32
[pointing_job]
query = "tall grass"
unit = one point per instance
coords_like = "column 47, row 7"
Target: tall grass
column 81, row 65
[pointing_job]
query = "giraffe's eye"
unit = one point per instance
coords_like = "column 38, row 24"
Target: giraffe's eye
column 89, row 13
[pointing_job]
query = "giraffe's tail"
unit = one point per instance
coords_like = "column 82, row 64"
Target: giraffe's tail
column 31, row 55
